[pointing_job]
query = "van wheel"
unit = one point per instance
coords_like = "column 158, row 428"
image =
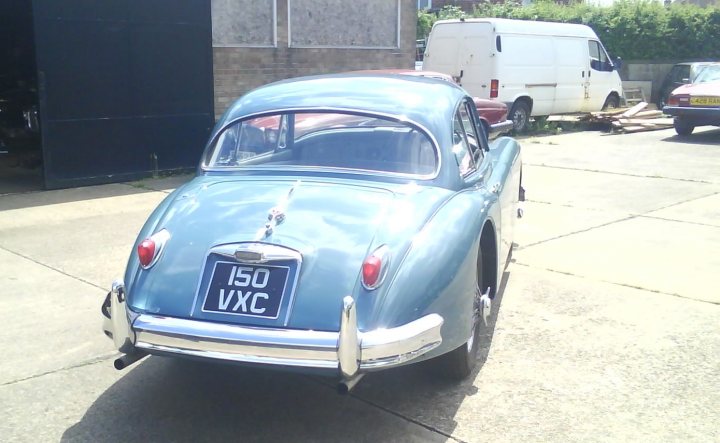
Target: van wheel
column 520, row 116
column 612, row 102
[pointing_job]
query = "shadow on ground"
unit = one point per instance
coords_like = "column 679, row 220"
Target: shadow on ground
column 54, row 197
column 697, row 138
column 165, row 399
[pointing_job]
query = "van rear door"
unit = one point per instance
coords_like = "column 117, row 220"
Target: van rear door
column 477, row 51
column 463, row 50
column 442, row 53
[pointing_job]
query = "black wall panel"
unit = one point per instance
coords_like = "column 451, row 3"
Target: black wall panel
column 122, row 82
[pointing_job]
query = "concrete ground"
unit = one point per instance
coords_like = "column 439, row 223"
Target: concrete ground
column 608, row 326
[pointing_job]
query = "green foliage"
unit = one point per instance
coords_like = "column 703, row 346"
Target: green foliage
column 631, row 29
column 448, row 12
column 425, row 21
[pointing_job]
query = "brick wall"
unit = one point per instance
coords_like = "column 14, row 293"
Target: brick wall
column 237, row 70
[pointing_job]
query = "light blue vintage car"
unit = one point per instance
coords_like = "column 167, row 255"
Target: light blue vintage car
column 337, row 225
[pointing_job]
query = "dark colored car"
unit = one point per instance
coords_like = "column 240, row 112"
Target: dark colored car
column 680, row 74
column 696, row 104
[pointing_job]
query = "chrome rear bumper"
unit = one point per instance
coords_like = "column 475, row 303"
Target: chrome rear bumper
column 348, row 350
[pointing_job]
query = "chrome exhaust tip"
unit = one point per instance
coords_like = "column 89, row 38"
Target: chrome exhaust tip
column 126, row 360
column 345, row 386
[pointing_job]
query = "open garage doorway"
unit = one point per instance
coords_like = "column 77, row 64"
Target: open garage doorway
column 20, row 142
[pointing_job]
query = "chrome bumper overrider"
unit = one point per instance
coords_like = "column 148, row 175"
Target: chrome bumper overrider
column 348, row 350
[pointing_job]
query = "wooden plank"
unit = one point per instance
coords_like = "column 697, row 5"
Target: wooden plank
column 642, row 121
column 634, row 110
column 565, row 118
column 648, row 114
column 609, row 113
column 632, row 129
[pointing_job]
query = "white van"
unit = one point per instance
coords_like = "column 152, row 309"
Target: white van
column 536, row 68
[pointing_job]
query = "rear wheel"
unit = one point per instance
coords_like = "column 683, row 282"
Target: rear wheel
column 683, row 127
column 459, row 363
column 520, row 116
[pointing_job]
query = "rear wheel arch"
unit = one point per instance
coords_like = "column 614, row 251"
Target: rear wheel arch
column 524, row 99
column 459, row 363
column 488, row 250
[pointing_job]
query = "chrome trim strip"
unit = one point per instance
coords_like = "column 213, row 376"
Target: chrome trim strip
column 268, row 251
column 160, row 238
column 348, row 350
column 501, row 127
column 276, row 215
column 540, row 85
column 393, row 117
column 390, row 347
column 236, row 343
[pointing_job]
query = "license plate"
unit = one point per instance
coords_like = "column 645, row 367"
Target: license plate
column 250, row 290
column 705, row 101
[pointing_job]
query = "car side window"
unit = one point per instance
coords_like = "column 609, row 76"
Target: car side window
column 461, row 145
column 683, row 72
column 470, row 124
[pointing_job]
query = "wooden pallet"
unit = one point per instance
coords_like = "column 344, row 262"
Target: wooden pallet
column 625, row 120
column 633, row 96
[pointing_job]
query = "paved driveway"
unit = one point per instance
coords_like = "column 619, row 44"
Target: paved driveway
column 608, row 326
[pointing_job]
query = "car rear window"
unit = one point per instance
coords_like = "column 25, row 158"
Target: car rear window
column 340, row 141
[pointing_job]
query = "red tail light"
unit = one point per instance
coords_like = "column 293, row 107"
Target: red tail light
column 146, row 252
column 149, row 250
column 679, row 100
column 494, row 87
column 374, row 268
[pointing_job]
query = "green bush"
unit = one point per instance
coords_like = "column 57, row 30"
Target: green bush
column 633, row 30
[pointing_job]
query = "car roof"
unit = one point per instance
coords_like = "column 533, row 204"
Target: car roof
column 425, row 101
column 411, row 72
column 694, row 63
column 534, row 27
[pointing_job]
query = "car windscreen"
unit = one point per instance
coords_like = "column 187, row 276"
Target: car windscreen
column 708, row 74
column 341, row 141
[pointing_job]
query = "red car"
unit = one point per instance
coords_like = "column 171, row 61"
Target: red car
column 696, row 104
column 493, row 114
